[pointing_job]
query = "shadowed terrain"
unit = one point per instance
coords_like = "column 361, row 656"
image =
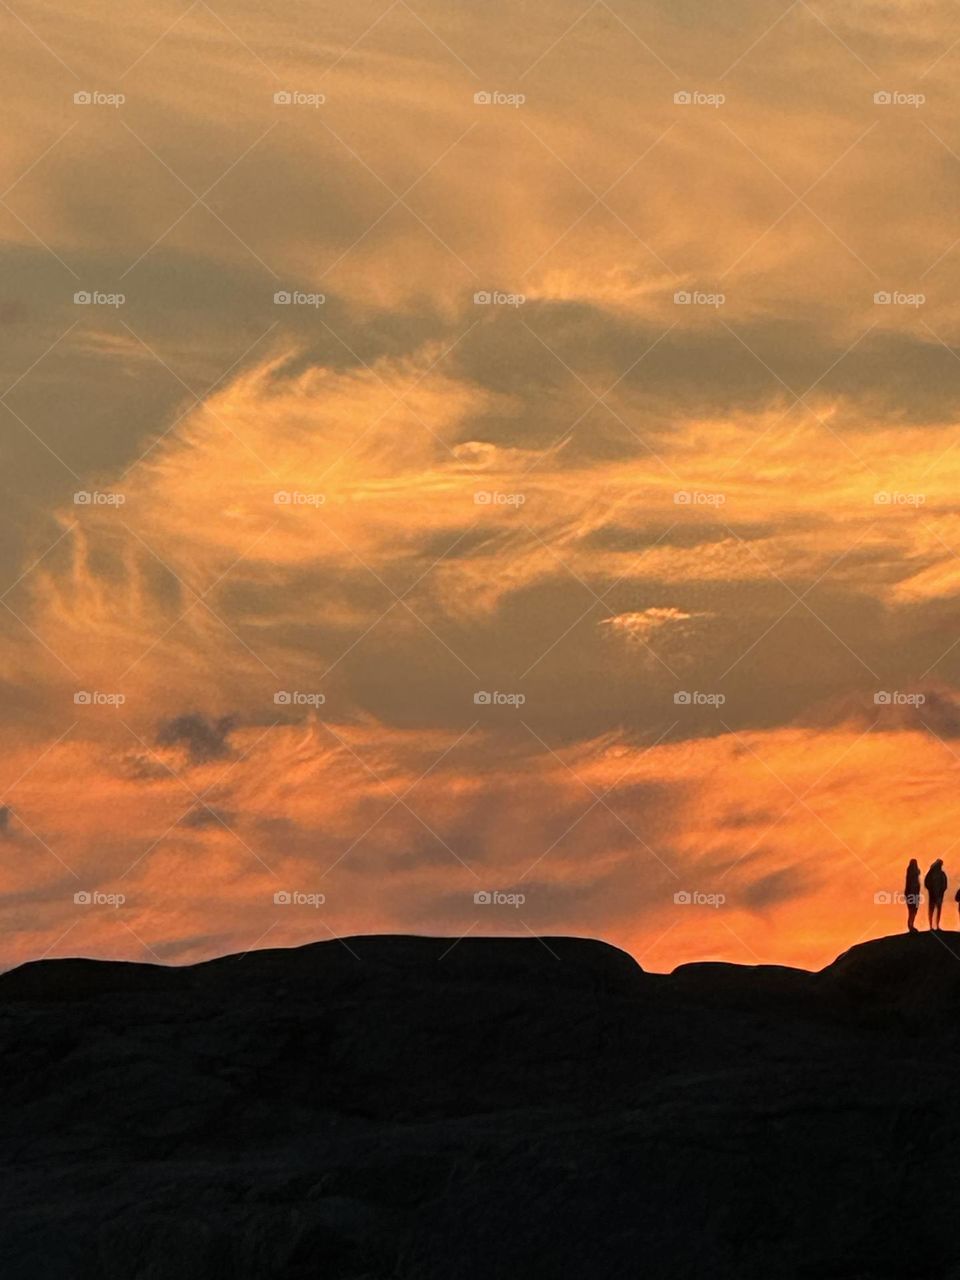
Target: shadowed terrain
column 407, row 1107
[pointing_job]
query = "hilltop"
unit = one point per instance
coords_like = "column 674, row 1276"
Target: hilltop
column 500, row 1107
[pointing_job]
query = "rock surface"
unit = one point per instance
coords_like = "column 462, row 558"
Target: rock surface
column 394, row 1107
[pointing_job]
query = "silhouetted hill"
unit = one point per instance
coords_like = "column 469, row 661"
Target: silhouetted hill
column 917, row 971
column 420, row 1107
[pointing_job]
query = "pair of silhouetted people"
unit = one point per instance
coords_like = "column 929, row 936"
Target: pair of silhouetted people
column 935, row 883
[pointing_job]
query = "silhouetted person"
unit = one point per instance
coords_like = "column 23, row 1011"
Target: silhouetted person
column 935, row 883
column 911, row 893
column 956, row 898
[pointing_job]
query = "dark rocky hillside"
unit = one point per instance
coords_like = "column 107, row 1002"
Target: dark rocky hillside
column 498, row 1109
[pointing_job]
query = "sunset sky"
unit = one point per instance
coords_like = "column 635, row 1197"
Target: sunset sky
column 608, row 356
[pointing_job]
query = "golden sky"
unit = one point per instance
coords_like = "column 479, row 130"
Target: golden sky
column 456, row 449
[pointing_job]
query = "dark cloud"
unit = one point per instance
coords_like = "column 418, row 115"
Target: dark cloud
column 889, row 378
column 204, row 739
column 907, row 709
column 776, row 888
column 204, row 815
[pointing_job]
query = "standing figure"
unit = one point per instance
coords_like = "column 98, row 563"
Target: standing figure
column 935, row 883
column 911, row 894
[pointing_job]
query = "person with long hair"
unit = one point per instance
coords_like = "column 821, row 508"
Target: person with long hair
column 911, row 894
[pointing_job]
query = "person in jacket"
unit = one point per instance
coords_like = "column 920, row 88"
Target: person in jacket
column 935, row 883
